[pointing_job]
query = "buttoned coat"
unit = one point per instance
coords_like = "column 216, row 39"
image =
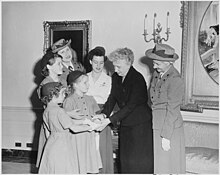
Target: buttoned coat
column 131, row 97
column 135, row 117
column 166, row 95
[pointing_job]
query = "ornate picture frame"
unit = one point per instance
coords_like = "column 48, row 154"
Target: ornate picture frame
column 78, row 31
column 201, row 92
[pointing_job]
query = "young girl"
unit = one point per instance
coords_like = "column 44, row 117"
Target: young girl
column 89, row 160
column 60, row 154
column 51, row 69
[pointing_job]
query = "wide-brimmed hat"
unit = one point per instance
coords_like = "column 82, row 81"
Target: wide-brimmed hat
column 72, row 76
column 162, row 52
column 97, row 51
column 59, row 45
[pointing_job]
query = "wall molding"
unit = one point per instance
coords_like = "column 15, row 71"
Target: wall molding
column 208, row 116
column 205, row 117
column 15, row 108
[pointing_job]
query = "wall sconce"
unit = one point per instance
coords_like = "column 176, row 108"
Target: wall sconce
column 156, row 31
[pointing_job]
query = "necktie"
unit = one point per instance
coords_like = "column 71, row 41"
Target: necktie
column 70, row 68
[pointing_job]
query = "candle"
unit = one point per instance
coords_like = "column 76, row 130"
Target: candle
column 168, row 20
column 154, row 22
column 145, row 24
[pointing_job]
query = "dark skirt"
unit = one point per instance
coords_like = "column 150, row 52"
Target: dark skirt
column 106, row 150
column 136, row 149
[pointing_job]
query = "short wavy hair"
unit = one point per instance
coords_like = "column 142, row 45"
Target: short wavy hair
column 97, row 51
column 48, row 59
column 122, row 54
column 53, row 92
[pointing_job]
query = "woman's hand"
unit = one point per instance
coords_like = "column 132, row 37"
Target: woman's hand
column 97, row 121
column 87, row 122
column 165, row 144
column 93, row 125
column 104, row 123
column 99, row 116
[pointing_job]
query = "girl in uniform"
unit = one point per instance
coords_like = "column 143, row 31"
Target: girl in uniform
column 60, row 153
column 88, row 152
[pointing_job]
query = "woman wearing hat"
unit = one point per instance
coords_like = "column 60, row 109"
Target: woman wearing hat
column 69, row 57
column 99, row 88
column 166, row 94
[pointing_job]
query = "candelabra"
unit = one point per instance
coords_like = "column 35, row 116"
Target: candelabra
column 156, row 31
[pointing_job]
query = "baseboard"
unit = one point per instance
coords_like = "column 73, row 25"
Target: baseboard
column 20, row 156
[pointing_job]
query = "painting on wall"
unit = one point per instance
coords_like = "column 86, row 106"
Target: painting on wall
column 199, row 65
column 209, row 41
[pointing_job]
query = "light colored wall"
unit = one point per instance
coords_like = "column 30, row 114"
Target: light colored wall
column 114, row 24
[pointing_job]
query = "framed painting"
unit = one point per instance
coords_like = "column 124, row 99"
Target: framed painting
column 201, row 89
column 78, row 31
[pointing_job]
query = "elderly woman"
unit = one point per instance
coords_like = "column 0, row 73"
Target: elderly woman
column 99, row 88
column 129, row 91
column 166, row 92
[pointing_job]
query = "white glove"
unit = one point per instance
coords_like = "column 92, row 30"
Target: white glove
column 165, row 144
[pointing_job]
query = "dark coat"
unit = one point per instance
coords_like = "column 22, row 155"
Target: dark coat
column 134, row 115
column 131, row 97
column 166, row 97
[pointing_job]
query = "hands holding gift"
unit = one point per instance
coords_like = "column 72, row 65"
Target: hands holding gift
column 98, row 122
column 92, row 124
column 104, row 123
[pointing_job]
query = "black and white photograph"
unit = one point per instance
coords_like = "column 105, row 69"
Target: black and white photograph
column 110, row 87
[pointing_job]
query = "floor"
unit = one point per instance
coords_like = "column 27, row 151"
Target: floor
column 18, row 162
column 198, row 160
column 20, row 166
column 23, row 162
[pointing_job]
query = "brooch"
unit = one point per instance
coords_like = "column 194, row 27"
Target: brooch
column 103, row 84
